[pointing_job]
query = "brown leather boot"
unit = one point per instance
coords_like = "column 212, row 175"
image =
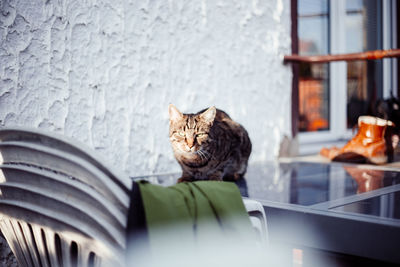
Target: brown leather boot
column 367, row 146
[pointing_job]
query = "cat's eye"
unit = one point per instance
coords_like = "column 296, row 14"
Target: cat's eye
column 201, row 135
column 181, row 133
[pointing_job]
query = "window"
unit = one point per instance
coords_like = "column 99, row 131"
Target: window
column 313, row 31
column 333, row 95
column 363, row 32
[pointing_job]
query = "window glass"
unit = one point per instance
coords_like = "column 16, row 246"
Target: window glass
column 364, row 78
column 313, row 32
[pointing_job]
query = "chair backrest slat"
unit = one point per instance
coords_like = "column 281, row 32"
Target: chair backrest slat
column 12, row 239
column 25, row 154
column 68, row 145
column 41, row 245
column 29, row 178
column 31, row 243
column 64, row 216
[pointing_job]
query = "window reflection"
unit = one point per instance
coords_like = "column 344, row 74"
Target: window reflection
column 314, row 97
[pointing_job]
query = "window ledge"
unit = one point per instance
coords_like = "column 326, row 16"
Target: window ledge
column 314, row 148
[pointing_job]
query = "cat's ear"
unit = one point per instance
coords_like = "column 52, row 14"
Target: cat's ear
column 209, row 115
column 174, row 113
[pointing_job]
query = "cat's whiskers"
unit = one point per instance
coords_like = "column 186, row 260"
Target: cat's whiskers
column 204, row 155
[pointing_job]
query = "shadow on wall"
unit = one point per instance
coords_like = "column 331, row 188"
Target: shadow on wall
column 289, row 147
column 7, row 258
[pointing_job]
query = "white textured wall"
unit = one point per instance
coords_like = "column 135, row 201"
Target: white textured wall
column 104, row 72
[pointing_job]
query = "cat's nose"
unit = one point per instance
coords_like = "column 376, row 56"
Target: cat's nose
column 190, row 142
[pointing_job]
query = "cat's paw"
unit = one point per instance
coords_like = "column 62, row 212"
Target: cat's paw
column 184, row 179
column 216, row 176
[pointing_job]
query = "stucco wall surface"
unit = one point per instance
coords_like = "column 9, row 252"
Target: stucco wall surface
column 104, row 72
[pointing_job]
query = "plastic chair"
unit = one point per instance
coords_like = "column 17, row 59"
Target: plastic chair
column 59, row 205
column 258, row 219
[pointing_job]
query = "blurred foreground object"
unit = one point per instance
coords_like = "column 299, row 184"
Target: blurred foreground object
column 191, row 216
column 60, row 205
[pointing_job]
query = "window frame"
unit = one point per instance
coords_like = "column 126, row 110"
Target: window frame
column 338, row 134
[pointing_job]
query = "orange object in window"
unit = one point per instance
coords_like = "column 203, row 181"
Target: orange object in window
column 318, row 124
column 312, row 105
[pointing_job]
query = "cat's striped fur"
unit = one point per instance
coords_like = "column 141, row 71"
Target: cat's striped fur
column 208, row 145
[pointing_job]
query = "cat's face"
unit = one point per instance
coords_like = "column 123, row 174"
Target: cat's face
column 190, row 133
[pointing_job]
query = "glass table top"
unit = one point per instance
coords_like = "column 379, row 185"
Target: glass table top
column 318, row 205
column 387, row 206
column 308, row 184
column 312, row 183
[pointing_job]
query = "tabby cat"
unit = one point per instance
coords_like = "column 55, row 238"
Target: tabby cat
column 208, row 145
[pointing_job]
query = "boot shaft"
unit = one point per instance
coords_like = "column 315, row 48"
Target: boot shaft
column 372, row 129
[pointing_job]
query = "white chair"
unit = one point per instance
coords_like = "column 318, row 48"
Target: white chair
column 258, row 219
column 59, row 205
